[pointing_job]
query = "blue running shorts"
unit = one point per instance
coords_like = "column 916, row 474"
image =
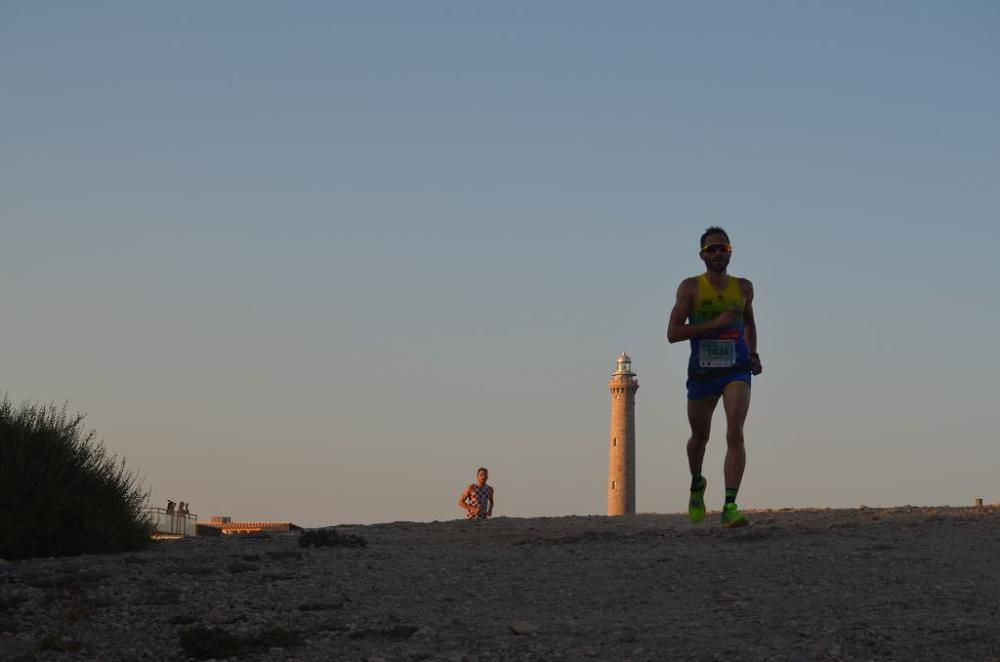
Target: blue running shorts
column 700, row 389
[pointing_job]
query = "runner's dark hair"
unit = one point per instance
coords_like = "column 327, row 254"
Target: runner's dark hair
column 712, row 230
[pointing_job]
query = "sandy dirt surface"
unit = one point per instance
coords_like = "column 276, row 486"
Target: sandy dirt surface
column 865, row 584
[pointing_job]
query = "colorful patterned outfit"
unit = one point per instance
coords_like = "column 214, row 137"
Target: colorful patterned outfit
column 479, row 497
column 721, row 356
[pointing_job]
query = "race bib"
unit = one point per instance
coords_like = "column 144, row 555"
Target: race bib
column 717, row 353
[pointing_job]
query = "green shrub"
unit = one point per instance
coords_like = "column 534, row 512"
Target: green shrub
column 60, row 492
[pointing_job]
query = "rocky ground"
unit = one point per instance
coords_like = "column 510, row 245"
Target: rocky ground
column 866, row 584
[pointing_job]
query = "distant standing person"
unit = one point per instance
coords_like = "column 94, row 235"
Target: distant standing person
column 477, row 498
column 715, row 312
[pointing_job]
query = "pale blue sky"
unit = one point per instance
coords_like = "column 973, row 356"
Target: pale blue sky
column 319, row 261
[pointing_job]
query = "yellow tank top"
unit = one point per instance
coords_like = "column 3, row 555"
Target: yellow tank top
column 720, row 351
column 711, row 302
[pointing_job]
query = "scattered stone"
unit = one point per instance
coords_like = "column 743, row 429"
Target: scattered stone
column 207, row 643
column 320, row 606
column 523, row 628
column 91, row 576
column 59, row 644
column 190, row 570
column 12, row 602
column 284, row 555
column 164, row 596
column 240, row 566
column 394, row 632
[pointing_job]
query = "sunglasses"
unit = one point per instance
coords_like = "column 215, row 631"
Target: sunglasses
column 717, row 248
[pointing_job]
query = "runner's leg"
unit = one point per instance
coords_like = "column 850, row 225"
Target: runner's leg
column 700, row 417
column 736, row 402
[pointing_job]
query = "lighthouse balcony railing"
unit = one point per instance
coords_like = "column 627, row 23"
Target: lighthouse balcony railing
column 172, row 522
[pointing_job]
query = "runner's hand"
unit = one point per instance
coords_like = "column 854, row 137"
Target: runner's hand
column 755, row 365
column 726, row 319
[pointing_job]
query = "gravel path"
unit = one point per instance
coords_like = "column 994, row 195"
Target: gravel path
column 866, row 584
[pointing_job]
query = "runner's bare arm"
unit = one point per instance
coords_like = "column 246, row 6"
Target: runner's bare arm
column 750, row 327
column 463, row 501
column 677, row 327
column 489, row 513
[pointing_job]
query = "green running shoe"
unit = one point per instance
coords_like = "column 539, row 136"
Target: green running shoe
column 696, row 506
column 732, row 517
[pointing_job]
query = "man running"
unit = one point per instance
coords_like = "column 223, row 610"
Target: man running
column 715, row 312
column 477, row 498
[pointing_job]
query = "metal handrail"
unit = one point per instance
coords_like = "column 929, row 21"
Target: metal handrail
column 172, row 523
